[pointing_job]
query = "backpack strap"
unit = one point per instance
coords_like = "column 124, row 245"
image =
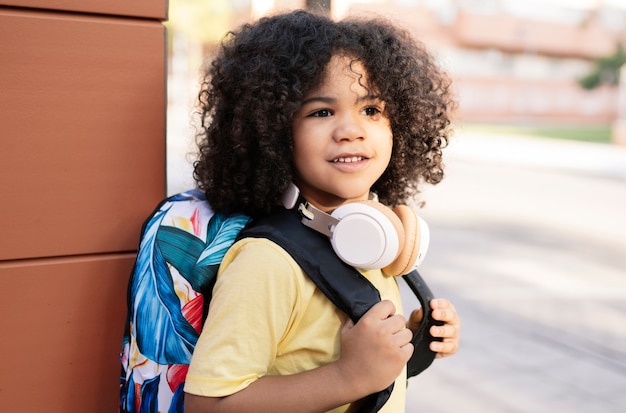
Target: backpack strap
column 422, row 356
column 345, row 287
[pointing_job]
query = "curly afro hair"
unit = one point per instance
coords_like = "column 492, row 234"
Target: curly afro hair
column 259, row 79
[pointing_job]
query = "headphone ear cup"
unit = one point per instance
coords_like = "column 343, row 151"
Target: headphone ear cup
column 392, row 216
column 368, row 235
column 408, row 255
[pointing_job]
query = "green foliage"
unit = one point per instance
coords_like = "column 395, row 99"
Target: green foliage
column 606, row 70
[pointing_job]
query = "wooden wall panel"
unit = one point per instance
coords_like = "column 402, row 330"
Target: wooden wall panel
column 156, row 9
column 62, row 325
column 82, row 164
column 82, row 113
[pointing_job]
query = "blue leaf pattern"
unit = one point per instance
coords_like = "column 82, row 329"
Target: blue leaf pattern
column 149, row 395
column 162, row 333
column 127, row 395
column 221, row 232
column 178, row 401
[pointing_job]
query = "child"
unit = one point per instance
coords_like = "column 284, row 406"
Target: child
column 341, row 109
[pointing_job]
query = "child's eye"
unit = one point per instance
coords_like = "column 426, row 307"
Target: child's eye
column 322, row 113
column 372, row 111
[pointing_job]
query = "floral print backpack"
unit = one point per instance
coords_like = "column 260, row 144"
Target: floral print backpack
column 182, row 245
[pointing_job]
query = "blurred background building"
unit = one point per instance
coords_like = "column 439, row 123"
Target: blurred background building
column 514, row 62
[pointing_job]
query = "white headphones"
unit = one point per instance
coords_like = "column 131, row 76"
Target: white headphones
column 367, row 234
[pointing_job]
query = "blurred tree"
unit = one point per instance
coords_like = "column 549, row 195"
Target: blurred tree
column 606, row 69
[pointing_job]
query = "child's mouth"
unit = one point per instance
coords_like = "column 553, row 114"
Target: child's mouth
column 348, row 159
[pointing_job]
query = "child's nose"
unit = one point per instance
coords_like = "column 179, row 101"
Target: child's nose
column 349, row 128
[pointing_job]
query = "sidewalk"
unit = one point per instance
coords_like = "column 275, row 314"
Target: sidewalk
column 606, row 160
column 529, row 243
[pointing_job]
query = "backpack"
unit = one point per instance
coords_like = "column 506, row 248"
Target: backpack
column 182, row 244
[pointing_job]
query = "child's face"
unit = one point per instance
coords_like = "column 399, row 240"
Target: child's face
column 342, row 139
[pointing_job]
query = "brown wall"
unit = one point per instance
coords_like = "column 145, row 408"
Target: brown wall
column 82, row 164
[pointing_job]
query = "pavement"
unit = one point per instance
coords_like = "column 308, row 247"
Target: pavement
column 529, row 243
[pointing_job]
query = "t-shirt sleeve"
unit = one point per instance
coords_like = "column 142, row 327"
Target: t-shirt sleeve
column 254, row 305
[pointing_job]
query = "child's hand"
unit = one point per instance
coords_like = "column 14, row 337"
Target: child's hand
column 376, row 349
column 443, row 310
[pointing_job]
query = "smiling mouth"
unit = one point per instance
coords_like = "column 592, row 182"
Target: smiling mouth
column 350, row 159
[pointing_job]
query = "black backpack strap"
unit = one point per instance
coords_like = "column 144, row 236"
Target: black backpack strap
column 422, row 356
column 344, row 286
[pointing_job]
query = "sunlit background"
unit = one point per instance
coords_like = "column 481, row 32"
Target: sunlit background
column 543, row 67
column 529, row 226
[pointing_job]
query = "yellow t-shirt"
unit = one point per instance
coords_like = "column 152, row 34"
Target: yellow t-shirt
column 266, row 317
